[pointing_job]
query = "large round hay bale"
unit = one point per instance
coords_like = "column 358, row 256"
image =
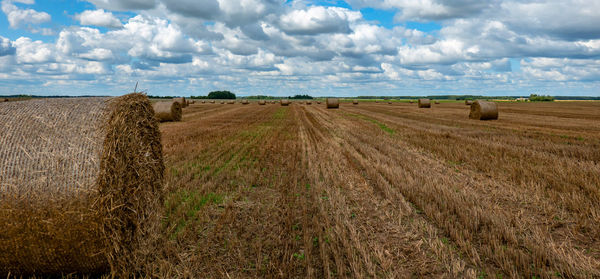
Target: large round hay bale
column 468, row 102
column 355, row 102
column 411, row 101
column 319, row 102
column 181, row 101
column 5, row 100
column 332, row 103
column 389, row 102
column 484, row 110
column 262, row 102
column 424, row 103
column 222, row 102
column 285, row 102
column 245, row 102
column 212, row 101
column 203, row 101
column 308, row 102
column 231, row 102
column 167, row 111
column 437, row 102
column 80, row 185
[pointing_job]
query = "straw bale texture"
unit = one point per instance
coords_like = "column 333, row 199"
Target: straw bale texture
column 245, row 102
column 355, row 102
column 203, row 101
column 285, row 102
column 212, row 101
column 468, row 102
column 80, row 185
column 308, row 102
column 424, row 103
column 332, row 102
column 484, row 110
column 231, row 102
column 167, row 111
column 181, row 101
column 262, row 102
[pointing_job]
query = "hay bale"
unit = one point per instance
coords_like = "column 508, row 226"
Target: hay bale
column 411, row 101
column 245, row 102
column 222, row 102
column 308, row 102
column 181, row 101
column 262, row 102
column 231, row 102
column 203, row 101
column 5, row 100
column 468, row 102
column 167, row 111
column 424, row 103
column 81, row 185
column 437, row 102
column 389, row 102
column 484, row 110
column 332, row 103
column 355, row 102
column 285, row 102
column 376, row 101
column 212, row 101
column 319, row 102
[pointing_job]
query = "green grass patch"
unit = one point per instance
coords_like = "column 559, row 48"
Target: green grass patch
column 183, row 206
column 374, row 121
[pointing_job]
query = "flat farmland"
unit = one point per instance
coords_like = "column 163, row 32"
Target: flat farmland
column 380, row 190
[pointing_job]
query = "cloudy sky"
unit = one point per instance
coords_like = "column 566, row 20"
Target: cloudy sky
column 279, row 47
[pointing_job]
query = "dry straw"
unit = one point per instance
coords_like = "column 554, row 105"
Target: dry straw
column 411, row 101
column 212, row 101
column 355, row 102
column 231, row 102
column 319, row 102
column 262, row 102
column 181, row 101
column 245, row 102
column 285, row 102
column 332, row 103
column 468, row 102
column 80, row 186
column 437, row 102
column 167, row 111
column 5, row 100
column 308, row 102
column 484, row 110
column 424, row 103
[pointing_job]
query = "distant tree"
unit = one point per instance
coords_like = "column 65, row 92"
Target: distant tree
column 221, row 95
column 301, row 97
column 540, row 98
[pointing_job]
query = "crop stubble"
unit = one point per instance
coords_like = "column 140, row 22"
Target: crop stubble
column 382, row 191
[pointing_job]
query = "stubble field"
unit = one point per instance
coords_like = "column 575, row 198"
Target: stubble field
column 378, row 190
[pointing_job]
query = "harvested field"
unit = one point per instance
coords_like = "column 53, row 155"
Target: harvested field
column 384, row 191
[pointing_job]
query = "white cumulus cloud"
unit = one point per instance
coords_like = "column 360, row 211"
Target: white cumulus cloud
column 99, row 18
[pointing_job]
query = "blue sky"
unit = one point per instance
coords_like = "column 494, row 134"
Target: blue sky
column 279, row 47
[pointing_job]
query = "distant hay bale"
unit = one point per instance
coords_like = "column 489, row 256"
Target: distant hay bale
column 212, row 101
column 262, row 102
column 424, row 103
column 376, row 101
column 222, row 102
column 245, row 102
column 203, row 101
column 80, row 186
column 4, row 100
column 231, row 102
column 411, row 101
column 319, row 102
column 389, row 102
column 285, row 102
column 167, row 111
column 181, row 101
column 308, row 102
column 332, row 103
column 468, row 102
column 437, row 102
column 355, row 102
column 484, row 110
